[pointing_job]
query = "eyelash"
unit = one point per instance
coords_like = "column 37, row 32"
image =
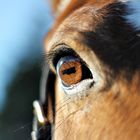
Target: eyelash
column 54, row 56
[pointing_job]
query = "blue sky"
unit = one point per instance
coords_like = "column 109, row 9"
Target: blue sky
column 23, row 24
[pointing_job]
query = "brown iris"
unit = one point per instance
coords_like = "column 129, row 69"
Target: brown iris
column 70, row 72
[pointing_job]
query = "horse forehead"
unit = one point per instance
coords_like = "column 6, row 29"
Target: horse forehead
column 87, row 18
column 84, row 19
column 90, row 14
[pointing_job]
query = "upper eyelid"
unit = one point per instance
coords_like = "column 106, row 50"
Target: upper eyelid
column 54, row 55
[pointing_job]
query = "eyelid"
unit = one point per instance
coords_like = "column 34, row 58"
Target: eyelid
column 54, row 56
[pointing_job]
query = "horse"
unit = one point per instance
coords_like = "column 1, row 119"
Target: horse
column 91, row 80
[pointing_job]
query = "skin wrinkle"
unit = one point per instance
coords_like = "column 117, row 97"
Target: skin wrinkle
column 75, row 4
column 72, row 24
column 109, row 110
column 121, row 104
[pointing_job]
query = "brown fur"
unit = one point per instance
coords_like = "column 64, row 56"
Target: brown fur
column 111, row 115
column 112, row 110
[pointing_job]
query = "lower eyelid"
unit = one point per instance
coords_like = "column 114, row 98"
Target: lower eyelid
column 81, row 87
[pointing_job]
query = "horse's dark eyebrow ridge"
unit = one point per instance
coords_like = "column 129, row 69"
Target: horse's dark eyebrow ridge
column 115, row 41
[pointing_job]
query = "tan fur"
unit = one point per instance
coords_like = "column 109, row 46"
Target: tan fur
column 112, row 115
column 102, row 114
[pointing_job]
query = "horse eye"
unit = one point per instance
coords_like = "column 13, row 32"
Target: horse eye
column 72, row 70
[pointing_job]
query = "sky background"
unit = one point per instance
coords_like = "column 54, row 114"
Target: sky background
column 23, row 24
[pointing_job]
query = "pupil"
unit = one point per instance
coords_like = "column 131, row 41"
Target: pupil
column 69, row 71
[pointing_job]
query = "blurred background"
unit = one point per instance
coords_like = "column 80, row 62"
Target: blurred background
column 23, row 25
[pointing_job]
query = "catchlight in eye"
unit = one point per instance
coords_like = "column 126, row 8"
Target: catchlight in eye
column 72, row 70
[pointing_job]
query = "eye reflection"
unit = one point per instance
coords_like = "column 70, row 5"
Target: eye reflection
column 69, row 69
column 72, row 70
